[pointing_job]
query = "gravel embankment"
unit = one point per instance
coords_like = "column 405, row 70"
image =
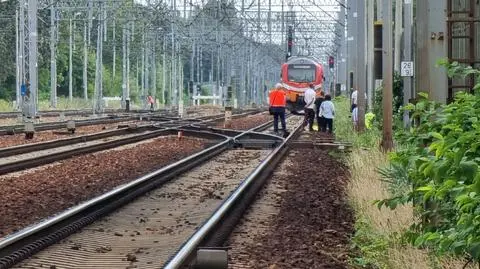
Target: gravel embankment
column 301, row 219
column 248, row 122
column 152, row 227
column 14, row 121
column 35, row 194
column 19, row 139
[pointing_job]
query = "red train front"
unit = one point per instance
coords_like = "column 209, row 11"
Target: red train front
column 297, row 74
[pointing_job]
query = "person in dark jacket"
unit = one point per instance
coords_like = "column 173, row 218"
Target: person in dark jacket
column 318, row 103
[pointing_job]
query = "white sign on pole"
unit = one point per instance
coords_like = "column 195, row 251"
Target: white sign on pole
column 406, row 69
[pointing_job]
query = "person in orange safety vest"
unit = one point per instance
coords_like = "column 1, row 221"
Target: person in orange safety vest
column 278, row 102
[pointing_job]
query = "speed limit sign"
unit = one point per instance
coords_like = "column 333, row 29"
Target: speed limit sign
column 406, row 69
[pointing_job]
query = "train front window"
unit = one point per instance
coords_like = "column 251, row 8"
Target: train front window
column 301, row 73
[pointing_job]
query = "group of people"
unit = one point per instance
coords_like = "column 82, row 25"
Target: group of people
column 321, row 108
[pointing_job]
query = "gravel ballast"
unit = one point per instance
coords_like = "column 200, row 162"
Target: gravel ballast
column 300, row 220
column 30, row 196
column 43, row 136
column 248, row 122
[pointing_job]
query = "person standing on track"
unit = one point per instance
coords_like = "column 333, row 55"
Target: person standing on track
column 318, row 103
column 309, row 99
column 278, row 101
column 327, row 110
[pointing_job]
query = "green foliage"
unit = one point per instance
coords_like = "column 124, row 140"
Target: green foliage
column 440, row 163
column 397, row 101
column 344, row 127
column 371, row 246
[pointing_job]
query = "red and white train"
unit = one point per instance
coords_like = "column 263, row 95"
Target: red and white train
column 297, row 74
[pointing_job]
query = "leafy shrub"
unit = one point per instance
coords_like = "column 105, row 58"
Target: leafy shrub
column 441, row 163
column 397, row 100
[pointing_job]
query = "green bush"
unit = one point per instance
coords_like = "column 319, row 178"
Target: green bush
column 441, row 165
column 397, row 101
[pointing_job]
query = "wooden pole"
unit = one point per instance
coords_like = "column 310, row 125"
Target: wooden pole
column 387, row 141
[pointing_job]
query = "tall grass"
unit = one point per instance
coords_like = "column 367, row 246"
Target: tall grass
column 344, row 127
column 378, row 232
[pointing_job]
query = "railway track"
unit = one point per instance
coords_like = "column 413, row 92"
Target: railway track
column 32, row 155
column 164, row 117
column 205, row 249
column 15, row 129
column 16, row 242
column 87, row 112
column 72, row 112
column 198, row 209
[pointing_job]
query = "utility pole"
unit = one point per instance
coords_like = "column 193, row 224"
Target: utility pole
column 192, row 67
column 53, row 57
column 98, row 100
column 351, row 45
column 142, row 79
column 172, row 70
column 407, row 45
column 201, row 53
column 147, row 68
column 164, row 70
column 128, row 40
column 124, row 68
column 17, row 62
column 70, row 64
column 198, row 52
column 85, row 61
column 361, row 75
column 180, row 73
column 242, row 99
column 398, row 33
column 137, row 78
column 30, row 49
column 114, row 49
column 21, row 47
column 217, row 36
column 154, row 73
column 342, row 54
column 387, row 141
column 90, row 20
column 370, row 53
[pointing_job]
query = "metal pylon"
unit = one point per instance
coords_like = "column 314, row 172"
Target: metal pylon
column 27, row 58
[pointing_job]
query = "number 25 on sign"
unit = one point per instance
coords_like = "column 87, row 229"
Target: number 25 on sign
column 407, row 69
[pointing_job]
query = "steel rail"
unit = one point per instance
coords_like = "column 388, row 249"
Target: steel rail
column 21, row 149
column 57, row 156
column 185, row 253
column 30, row 240
column 16, row 247
column 73, row 112
column 4, row 130
column 27, row 148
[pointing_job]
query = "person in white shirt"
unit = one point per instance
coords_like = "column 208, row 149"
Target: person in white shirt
column 327, row 111
column 309, row 99
column 354, row 99
column 355, row 118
